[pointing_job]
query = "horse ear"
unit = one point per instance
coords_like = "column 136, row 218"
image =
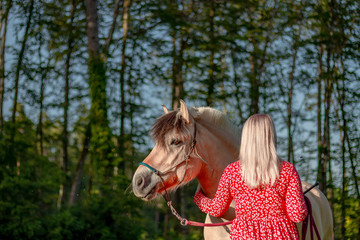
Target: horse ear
column 166, row 111
column 184, row 112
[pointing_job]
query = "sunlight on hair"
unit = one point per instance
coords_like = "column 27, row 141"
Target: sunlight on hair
column 260, row 163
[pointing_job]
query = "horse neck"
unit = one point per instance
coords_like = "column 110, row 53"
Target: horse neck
column 218, row 148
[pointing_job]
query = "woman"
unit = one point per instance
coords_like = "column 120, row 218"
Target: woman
column 267, row 190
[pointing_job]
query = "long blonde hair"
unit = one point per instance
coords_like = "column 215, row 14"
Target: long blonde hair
column 258, row 157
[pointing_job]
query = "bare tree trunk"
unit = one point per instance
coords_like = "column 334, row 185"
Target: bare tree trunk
column 121, row 139
column 75, row 188
column 65, row 137
column 177, row 70
column 237, row 85
column 342, row 128
column 326, row 136
column 222, row 77
column 112, row 28
column 92, row 28
column 44, row 72
column 40, row 124
column 321, row 180
column 4, row 23
column 132, row 100
column 20, row 59
column 211, row 81
column 290, row 98
column 16, row 88
column 254, row 81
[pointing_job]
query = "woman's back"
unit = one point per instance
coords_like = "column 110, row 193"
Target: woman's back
column 267, row 212
column 263, row 202
column 267, row 191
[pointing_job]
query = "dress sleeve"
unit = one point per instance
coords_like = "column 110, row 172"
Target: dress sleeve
column 295, row 203
column 221, row 202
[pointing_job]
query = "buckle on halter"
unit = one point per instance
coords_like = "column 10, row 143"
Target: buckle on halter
column 183, row 222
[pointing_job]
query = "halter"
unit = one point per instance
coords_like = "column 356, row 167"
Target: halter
column 186, row 161
column 183, row 221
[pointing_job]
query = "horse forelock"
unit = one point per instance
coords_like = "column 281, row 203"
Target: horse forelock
column 166, row 123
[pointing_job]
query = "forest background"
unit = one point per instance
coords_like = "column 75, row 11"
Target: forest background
column 81, row 83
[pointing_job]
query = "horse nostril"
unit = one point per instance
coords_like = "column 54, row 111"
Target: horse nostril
column 140, row 182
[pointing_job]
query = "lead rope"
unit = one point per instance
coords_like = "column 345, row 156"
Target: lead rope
column 185, row 222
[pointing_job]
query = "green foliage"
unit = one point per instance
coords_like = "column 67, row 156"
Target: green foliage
column 235, row 55
column 112, row 214
column 28, row 196
column 101, row 147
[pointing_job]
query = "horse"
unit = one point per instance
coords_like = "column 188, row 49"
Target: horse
column 199, row 143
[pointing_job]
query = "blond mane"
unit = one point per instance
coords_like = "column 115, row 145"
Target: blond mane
column 217, row 118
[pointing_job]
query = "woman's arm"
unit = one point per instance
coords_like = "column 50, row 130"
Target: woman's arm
column 221, row 202
column 295, row 203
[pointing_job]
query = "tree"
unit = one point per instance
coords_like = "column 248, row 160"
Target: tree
column 3, row 28
column 12, row 160
column 101, row 144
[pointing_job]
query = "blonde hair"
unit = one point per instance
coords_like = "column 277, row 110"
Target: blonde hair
column 258, row 157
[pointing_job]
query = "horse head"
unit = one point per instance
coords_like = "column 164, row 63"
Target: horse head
column 171, row 163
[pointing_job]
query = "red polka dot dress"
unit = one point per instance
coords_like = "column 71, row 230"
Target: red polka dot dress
column 264, row 213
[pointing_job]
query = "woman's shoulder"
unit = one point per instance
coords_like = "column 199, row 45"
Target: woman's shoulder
column 287, row 168
column 287, row 165
column 235, row 166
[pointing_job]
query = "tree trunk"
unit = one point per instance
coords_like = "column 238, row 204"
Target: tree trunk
column 75, row 188
column 101, row 144
column 92, row 29
column 65, row 137
column 44, row 72
column 342, row 128
column 4, row 23
column 11, row 156
column 132, row 100
column 212, row 80
column 321, row 179
column 121, row 139
column 290, row 98
column 20, row 59
column 177, row 70
column 254, row 82
column 237, row 85
column 112, row 28
column 326, row 136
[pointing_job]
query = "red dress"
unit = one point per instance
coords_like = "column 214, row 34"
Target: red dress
column 264, row 213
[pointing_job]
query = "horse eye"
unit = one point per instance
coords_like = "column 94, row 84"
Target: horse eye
column 175, row 142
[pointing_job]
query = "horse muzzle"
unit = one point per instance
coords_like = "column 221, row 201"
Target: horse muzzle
column 145, row 184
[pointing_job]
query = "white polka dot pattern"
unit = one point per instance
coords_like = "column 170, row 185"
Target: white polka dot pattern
column 268, row 212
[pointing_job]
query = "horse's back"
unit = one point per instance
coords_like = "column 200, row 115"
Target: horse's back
column 321, row 212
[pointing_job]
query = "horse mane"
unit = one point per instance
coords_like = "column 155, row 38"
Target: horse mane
column 218, row 118
column 173, row 120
